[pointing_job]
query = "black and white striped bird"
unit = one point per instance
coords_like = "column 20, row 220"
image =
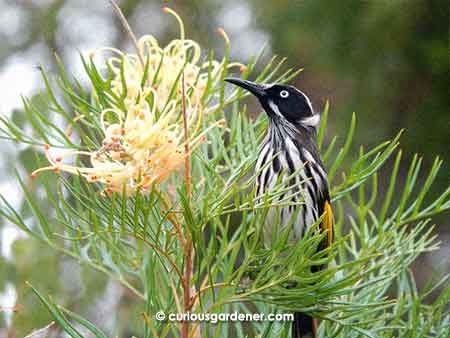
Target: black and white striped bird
column 290, row 146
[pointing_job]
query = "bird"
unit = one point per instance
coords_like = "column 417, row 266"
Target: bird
column 290, row 148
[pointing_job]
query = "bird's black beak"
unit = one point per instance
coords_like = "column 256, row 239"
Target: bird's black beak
column 254, row 88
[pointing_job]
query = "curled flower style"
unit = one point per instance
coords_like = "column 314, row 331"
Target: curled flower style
column 144, row 140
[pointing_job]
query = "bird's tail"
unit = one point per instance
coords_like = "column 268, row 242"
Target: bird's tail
column 303, row 326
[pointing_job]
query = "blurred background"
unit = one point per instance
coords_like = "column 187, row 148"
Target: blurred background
column 386, row 60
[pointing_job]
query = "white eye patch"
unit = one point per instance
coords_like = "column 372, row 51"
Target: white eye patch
column 284, row 94
column 312, row 121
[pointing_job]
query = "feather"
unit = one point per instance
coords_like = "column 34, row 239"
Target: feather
column 328, row 222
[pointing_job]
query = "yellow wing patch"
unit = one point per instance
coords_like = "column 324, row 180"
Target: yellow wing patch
column 328, row 222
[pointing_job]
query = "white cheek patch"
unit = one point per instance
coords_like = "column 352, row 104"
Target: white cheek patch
column 275, row 108
column 312, row 121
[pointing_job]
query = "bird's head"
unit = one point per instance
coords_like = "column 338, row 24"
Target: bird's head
column 281, row 102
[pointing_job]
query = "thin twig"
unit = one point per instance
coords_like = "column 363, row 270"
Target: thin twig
column 163, row 253
column 187, row 287
column 175, row 296
column 188, row 249
column 187, row 159
column 149, row 324
column 128, row 29
column 100, row 268
column 206, row 288
column 172, row 219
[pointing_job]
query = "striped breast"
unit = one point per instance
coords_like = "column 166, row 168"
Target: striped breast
column 283, row 153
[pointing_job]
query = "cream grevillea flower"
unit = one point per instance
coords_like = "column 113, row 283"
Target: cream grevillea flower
column 144, row 136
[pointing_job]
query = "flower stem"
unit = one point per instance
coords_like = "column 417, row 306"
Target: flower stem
column 127, row 27
column 188, row 248
column 187, row 159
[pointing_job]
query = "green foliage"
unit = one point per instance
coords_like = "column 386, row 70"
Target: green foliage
column 366, row 291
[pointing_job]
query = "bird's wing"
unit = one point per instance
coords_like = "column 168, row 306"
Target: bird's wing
column 328, row 222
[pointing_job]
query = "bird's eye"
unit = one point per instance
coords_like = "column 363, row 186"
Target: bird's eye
column 284, row 94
